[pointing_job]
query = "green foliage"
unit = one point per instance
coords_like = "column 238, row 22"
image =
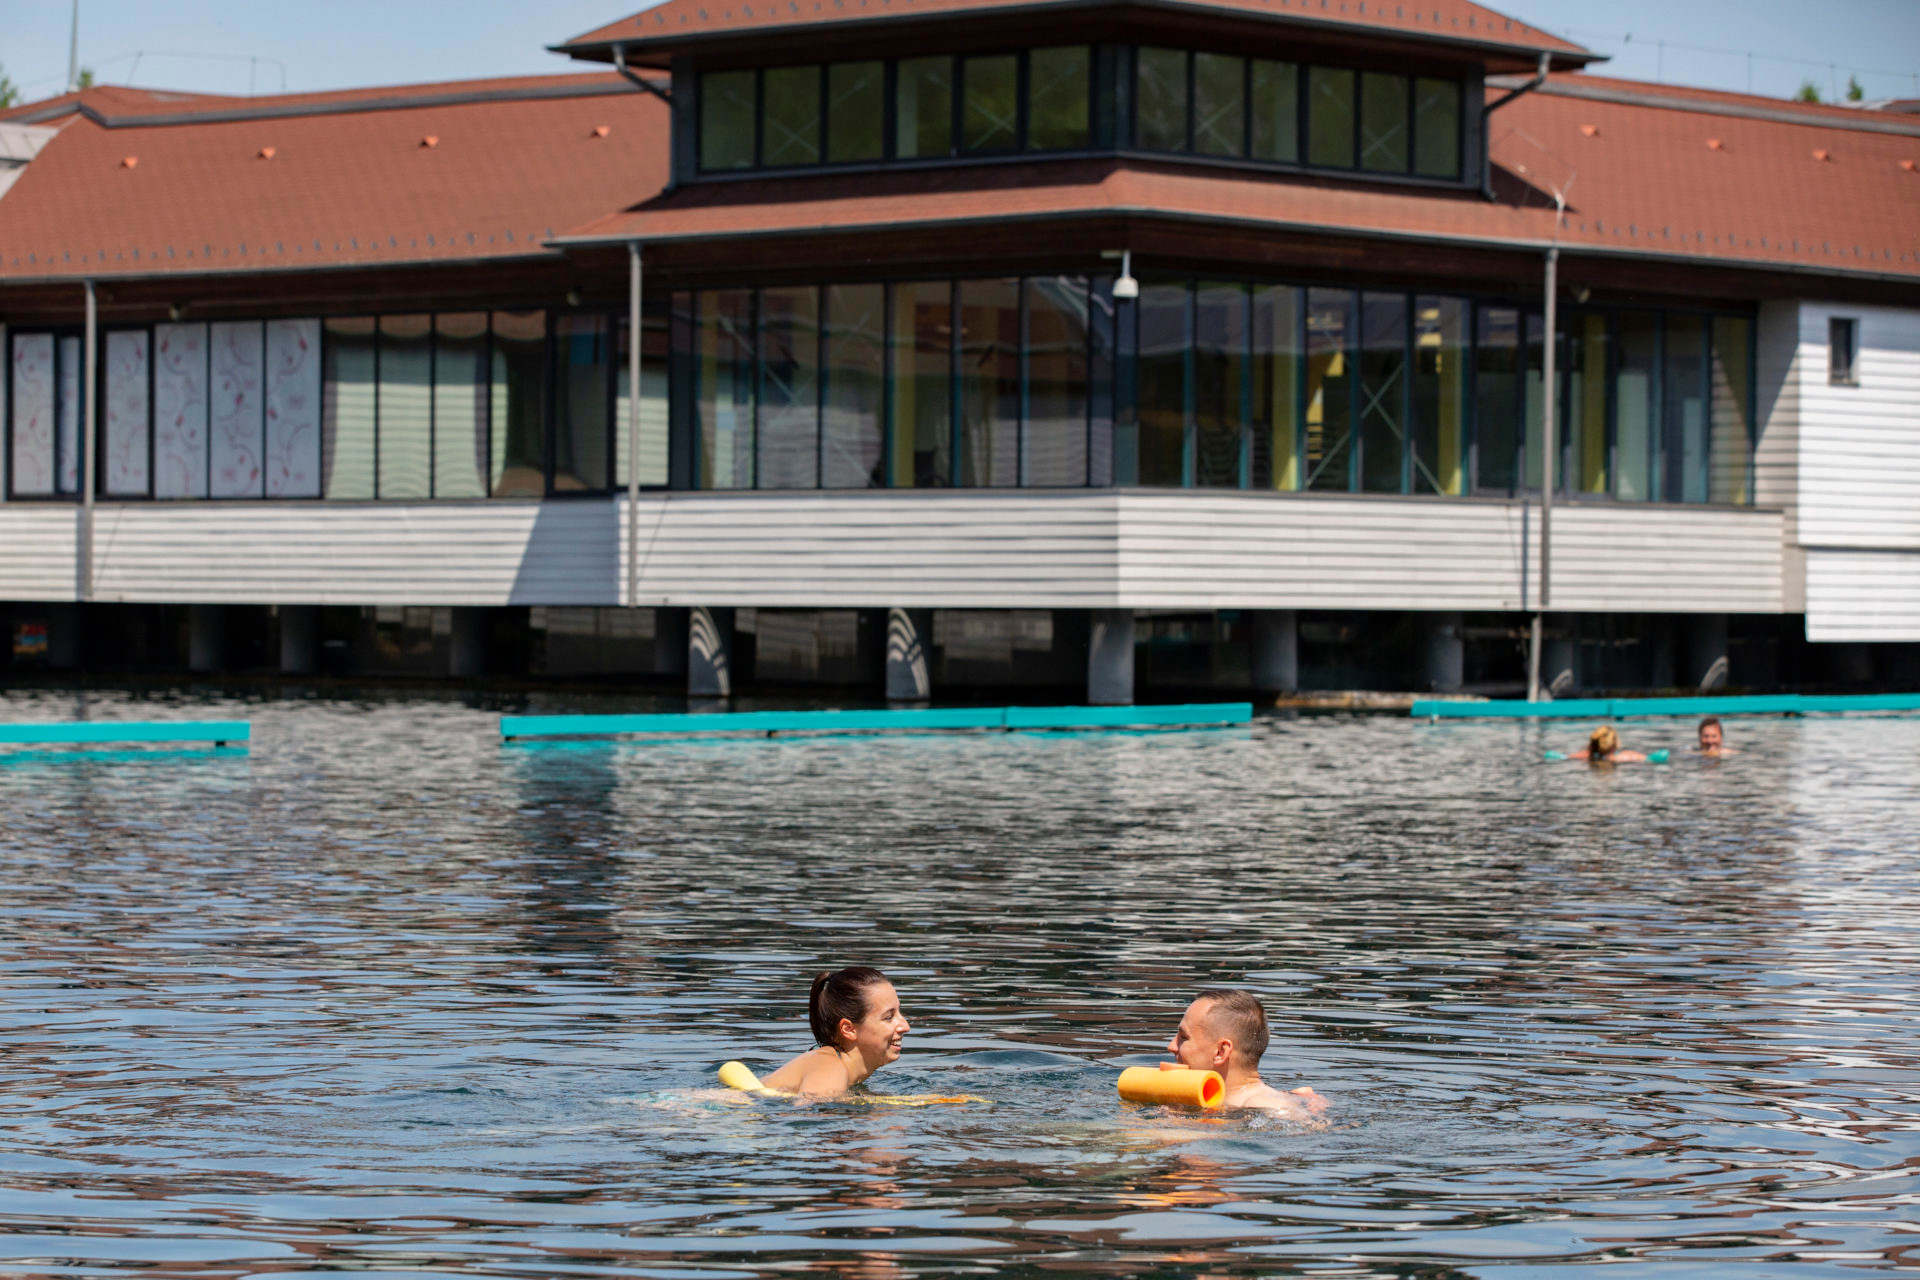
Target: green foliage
column 1809, row 92
column 9, row 91
column 86, row 77
column 1854, row 92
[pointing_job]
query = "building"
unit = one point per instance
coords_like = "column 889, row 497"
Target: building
column 1152, row 345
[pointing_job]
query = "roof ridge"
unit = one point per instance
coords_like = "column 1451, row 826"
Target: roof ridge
column 1637, row 93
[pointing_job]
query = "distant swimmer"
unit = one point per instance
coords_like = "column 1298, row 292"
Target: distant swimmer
column 1226, row 1031
column 1603, row 747
column 857, row 1029
column 1712, row 740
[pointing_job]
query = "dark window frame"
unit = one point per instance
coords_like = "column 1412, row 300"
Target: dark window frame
column 1843, row 339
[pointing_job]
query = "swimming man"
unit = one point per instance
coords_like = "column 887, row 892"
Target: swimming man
column 1226, row 1031
column 1712, row 740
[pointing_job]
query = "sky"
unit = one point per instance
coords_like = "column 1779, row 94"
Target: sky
column 240, row 46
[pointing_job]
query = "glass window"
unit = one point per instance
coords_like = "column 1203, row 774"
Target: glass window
column 460, row 405
column 1330, row 342
column 406, row 407
column 582, row 355
column 790, row 111
column 125, row 433
column 1585, row 427
column 1732, row 430
column 1101, row 368
column 789, row 419
column 653, row 401
column 724, row 392
column 1531, row 452
column 1436, row 128
column 1636, row 387
column 1684, row 424
column 1220, row 319
column 34, row 379
column 518, row 408
column 922, row 385
column 1842, row 343
column 1383, row 392
column 1330, row 117
column 1276, row 382
column 180, row 410
column 1274, row 96
column 856, row 110
column 1160, row 100
column 236, row 420
column 1059, row 91
column 1439, row 395
column 854, row 369
column 1165, row 347
column 989, row 103
column 1056, row 445
column 347, row 407
column 1219, row 104
column 726, row 120
column 1383, row 123
column 923, row 105
column 1497, row 398
column 990, row 383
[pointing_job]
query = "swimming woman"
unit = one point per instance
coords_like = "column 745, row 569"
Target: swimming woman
column 1603, row 747
column 857, row 1029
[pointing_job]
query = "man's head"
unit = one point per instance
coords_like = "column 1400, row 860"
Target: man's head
column 1221, row 1029
column 1710, row 735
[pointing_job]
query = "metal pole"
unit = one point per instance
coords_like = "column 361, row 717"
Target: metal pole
column 84, row 547
column 634, row 336
column 1549, row 394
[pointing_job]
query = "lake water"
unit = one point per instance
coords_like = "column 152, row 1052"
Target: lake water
column 383, row 995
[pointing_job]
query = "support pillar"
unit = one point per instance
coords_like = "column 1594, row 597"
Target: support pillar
column 1446, row 654
column 206, row 638
column 1707, row 652
column 467, row 644
column 909, row 635
column 1110, row 658
column 709, row 652
column 1559, row 666
column 1276, row 651
column 299, row 639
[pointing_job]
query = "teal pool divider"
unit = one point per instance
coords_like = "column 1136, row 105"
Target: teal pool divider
column 1185, row 715
column 217, row 732
column 1785, row 704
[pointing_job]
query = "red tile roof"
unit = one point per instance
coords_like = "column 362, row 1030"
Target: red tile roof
column 348, row 181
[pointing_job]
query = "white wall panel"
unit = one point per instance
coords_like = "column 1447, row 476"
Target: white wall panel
column 37, row 550
column 123, row 461
column 236, row 398
column 293, row 409
column 1859, row 446
column 32, row 408
column 1863, row 595
column 180, row 411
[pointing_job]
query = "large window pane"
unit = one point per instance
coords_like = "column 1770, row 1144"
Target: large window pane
column 180, row 410
column 126, row 413
column 1436, row 128
column 1383, row 123
column 236, row 423
column 1219, row 104
column 922, row 385
column 990, row 102
column 790, row 110
column 1383, row 392
column 1330, row 117
column 1166, row 347
column 32, row 414
column 789, row 422
column 1220, row 319
column 406, row 407
column 518, row 409
column 1684, row 424
column 853, row 367
column 1275, row 102
column 1585, row 430
column 582, row 353
column 1276, row 385
column 990, row 383
column 1497, row 377
column 347, row 407
column 653, row 401
column 1059, row 89
column 726, row 120
column 1331, row 338
column 1732, row 429
column 723, row 389
column 1160, row 100
column 1532, row 419
column 856, row 110
column 460, row 405
column 1056, row 447
column 1439, row 395
column 923, row 104
column 1635, row 397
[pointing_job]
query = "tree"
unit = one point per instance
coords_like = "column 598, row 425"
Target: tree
column 1809, row 92
column 86, row 77
column 1854, row 92
column 9, row 91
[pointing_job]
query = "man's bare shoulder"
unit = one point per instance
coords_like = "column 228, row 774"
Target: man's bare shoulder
column 1301, row 1104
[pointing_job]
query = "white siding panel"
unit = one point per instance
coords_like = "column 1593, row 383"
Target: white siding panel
column 1863, row 595
column 37, row 551
column 1859, row 446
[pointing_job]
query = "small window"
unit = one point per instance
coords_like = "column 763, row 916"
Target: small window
column 923, row 108
column 1843, row 344
column 1058, row 91
column 726, row 120
column 856, row 110
column 989, row 103
column 790, row 117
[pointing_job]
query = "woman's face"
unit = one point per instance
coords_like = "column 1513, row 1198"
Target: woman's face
column 877, row 1036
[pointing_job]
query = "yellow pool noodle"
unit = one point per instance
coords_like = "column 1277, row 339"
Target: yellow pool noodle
column 1178, row 1087
column 736, row 1075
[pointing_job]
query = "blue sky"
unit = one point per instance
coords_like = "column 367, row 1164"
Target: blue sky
column 229, row 46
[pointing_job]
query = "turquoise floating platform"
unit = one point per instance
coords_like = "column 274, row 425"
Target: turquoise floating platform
column 1199, row 715
column 218, row 732
column 1782, row 704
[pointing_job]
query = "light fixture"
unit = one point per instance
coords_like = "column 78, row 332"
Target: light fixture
column 1125, row 287
column 176, row 310
column 573, row 297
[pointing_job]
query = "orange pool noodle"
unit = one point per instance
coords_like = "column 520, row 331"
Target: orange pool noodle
column 1179, row 1087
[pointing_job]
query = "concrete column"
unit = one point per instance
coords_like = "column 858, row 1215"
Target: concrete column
column 299, row 639
column 1447, row 654
column 909, row 635
column 467, row 644
column 1275, row 645
column 709, row 652
column 1707, row 652
column 1559, row 666
column 206, row 637
column 1110, row 658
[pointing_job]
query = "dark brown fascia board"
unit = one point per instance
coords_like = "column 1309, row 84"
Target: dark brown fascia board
column 1654, row 98
column 640, row 48
column 227, row 275
column 356, row 106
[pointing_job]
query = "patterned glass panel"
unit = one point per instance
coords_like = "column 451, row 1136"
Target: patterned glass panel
column 32, row 408
column 293, row 408
column 180, row 411
column 238, row 405
column 124, row 467
column 67, row 417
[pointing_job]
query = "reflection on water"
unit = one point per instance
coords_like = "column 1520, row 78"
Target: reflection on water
column 381, row 994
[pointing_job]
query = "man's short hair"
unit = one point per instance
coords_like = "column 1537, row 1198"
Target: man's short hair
column 1240, row 1017
column 1710, row 720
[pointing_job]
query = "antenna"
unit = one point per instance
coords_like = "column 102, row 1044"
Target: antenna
column 73, row 50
